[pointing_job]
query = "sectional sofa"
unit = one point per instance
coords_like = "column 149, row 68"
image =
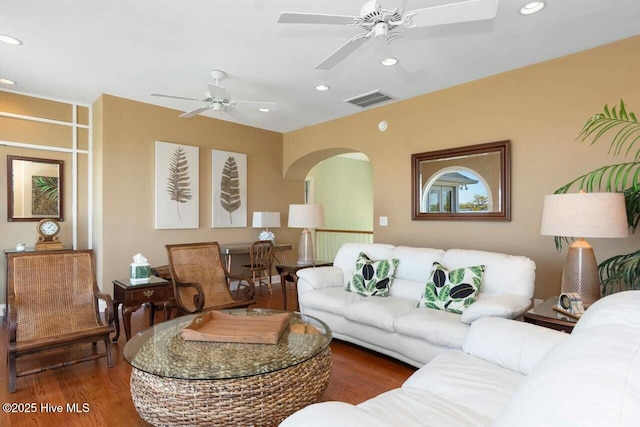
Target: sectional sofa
column 394, row 325
column 510, row 373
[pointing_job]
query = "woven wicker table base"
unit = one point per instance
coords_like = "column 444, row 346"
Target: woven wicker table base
column 259, row 400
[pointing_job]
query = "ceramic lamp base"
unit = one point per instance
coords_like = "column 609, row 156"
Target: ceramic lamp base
column 305, row 248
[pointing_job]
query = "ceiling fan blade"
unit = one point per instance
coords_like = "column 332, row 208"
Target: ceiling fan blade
column 217, row 92
column 314, row 18
column 464, row 11
column 175, row 97
column 343, row 51
column 258, row 104
column 192, row 113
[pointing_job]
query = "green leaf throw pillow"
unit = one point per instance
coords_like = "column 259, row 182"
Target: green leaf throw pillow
column 452, row 290
column 372, row 277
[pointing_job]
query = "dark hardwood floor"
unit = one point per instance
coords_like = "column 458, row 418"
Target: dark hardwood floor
column 102, row 394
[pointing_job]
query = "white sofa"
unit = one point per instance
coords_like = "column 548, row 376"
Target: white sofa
column 511, row 373
column 394, row 325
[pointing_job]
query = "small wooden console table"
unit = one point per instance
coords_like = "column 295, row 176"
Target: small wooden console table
column 131, row 297
column 545, row 315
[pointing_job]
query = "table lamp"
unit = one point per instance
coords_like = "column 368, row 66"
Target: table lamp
column 583, row 215
column 266, row 220
column 306, row 217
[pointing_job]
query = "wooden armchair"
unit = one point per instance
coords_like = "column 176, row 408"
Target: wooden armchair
column 200, row 280
column 53, row 302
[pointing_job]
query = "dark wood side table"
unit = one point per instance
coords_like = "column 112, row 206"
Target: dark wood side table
column 288, row 274
column 544, row 315
column 132, row 297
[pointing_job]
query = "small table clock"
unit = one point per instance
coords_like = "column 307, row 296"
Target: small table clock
column 48, row 230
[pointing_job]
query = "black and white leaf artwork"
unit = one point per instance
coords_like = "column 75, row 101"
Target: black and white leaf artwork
column 230, row 187
column 178, row 185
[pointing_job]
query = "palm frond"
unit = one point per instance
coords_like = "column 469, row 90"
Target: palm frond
column 47, row 185
column 620, row 273
column 178, row 185
column 230, row 187
column 625, row 123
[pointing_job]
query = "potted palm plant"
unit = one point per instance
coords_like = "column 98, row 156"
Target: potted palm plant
column 621, row 128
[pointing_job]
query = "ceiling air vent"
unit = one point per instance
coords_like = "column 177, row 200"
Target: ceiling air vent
column 369, row 99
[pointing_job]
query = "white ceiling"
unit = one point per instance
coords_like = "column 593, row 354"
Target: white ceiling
column 77, row 50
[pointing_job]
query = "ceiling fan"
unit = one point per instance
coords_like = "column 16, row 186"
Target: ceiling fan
column 379, row 22
column 216, row 99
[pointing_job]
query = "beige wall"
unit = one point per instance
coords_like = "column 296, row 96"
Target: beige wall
column 49, row 136
column 540, row 108
column 124, row 144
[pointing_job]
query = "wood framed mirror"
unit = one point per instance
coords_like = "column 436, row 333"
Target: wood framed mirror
column 34, row 189
column 462, row 184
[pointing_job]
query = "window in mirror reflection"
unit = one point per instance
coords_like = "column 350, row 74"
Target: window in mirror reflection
column 456, row 190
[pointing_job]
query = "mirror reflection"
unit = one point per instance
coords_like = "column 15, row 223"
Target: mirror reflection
column 34, row 188
column 462, row 183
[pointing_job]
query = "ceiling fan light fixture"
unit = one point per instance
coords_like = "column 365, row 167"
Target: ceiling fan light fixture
column 322, row 88
column 389, row 62
column 5, row 38
column 7, row 81
column 532, row 7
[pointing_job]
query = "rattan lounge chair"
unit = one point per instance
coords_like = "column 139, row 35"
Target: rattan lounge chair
column 201, row 282
column 53, row 302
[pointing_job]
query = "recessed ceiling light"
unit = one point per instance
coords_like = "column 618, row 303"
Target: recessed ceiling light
column 322, row 88
column 389, row 62
column 7, row 82
column 10, row 40
column 532, row 7
column 264, row 110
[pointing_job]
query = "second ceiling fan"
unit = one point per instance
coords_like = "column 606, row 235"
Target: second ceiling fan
column 379, row 22
column 216, row 99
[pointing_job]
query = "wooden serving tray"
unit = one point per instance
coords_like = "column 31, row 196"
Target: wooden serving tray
column 223, row 327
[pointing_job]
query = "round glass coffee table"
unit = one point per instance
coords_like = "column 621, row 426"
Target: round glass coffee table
column 178, row 382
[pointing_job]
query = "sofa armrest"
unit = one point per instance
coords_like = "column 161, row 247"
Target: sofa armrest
column 319, row 278
column 508, row 306
column 511, row 344
column 334, row 414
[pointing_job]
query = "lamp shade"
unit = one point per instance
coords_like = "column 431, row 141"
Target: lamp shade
column 266, row 220
column 584, row 215
column 306, row 216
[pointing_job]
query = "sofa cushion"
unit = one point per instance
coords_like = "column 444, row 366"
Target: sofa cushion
column 452, row 290
column 518, row 346
column 378, row 312
column 372, row 277
column 591, row 379
column 332, row 300
column 438, row 327
column 504, row 274
column 349, row 252
column 410, row 407
column 620, row 308
column 468, row 381
column 508, row 306
column 415, row 263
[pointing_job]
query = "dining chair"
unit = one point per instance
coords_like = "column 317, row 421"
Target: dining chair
column 261, row 259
